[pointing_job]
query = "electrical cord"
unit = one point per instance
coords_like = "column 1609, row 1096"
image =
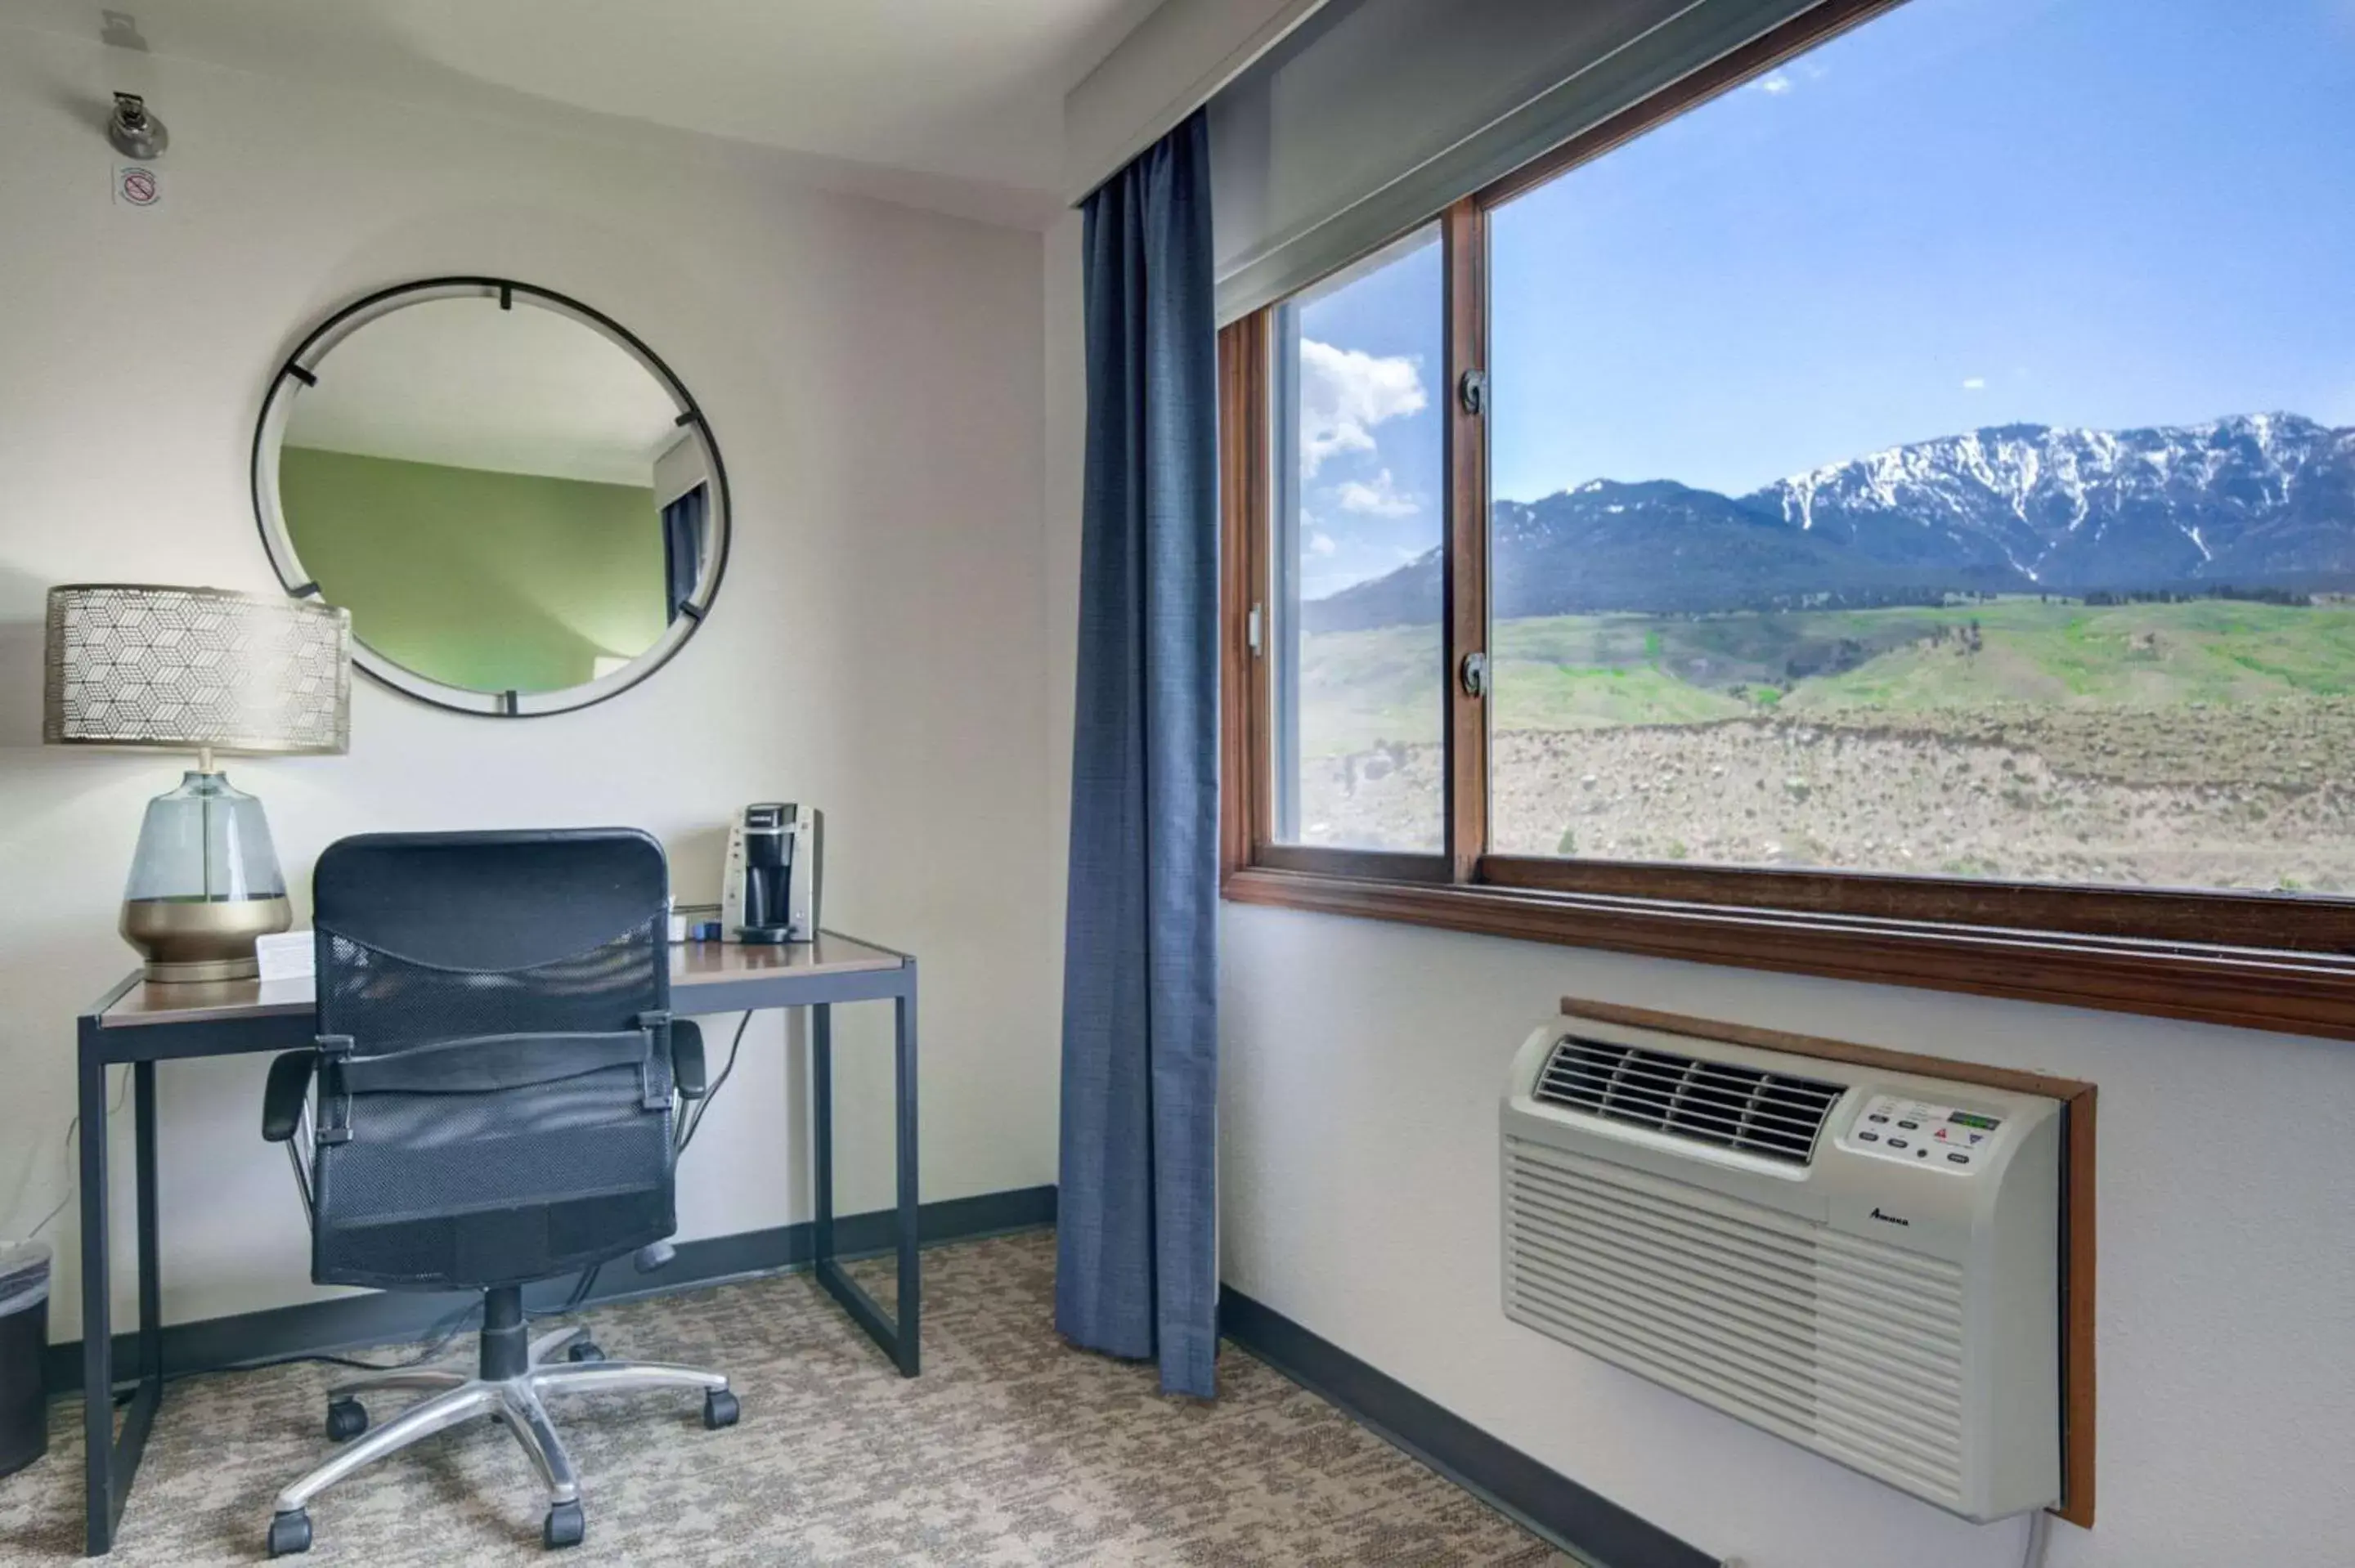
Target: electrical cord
column 44, row 1223
column 580, row 1289
column 703, row 1106
column 73, row 1129
column 2040, row 1532
column 437, row 1340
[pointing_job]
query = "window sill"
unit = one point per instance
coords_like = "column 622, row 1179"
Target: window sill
column 2247, row 988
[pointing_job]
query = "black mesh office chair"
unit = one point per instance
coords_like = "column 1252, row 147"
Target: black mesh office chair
column 496, row 1076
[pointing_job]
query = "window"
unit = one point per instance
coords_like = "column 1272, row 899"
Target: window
column 1360, row 700
column 1901, row 523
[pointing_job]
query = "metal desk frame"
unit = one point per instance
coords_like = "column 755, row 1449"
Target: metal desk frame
column 235, row 1019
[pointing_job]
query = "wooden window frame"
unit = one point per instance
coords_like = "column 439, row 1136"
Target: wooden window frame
column 2261, row 960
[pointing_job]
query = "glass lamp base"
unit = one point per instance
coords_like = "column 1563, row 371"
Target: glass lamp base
column 204, row 882
column 202, row 940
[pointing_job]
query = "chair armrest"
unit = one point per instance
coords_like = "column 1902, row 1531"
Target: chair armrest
column 686, row 1058
column 282, row 1099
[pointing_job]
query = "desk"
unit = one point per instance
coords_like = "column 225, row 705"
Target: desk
column 140, row 1024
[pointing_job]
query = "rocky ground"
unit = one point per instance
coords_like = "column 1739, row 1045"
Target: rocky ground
column 2258, row 796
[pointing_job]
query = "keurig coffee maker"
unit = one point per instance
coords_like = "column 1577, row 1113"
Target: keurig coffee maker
column 774, row 852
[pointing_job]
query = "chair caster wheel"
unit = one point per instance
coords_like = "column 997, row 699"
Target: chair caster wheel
column 565, row 1526
column 720, row 1409
column 289, row 1532
column 584, row 1350
column 347, row 1419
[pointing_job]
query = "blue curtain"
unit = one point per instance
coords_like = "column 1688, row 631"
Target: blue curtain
column 1136, row 1267
column 682, row 525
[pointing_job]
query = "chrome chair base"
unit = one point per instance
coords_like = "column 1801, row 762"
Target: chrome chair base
column 455, row 1399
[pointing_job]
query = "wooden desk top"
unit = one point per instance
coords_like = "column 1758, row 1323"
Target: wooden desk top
column 692, row 964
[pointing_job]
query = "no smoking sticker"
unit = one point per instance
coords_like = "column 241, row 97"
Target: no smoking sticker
column 136, row 185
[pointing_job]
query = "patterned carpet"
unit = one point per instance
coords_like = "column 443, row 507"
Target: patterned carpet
column 1011, row 1449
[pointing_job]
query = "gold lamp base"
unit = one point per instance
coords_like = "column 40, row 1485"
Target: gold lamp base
column 202, row 938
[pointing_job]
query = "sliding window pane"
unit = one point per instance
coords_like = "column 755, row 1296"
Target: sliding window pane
column 1938, row 456
column 1360, row 700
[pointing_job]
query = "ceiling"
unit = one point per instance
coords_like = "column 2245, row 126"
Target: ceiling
column 462, row 383
column 968, row 93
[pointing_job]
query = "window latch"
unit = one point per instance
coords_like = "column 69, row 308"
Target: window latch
column 1251, row 630
column 1475, row 673
column 1472, row 391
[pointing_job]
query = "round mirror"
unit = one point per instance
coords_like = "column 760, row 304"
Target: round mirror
column 520, row 505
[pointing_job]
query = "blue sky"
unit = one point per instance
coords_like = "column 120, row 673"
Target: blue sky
column 1970, row 212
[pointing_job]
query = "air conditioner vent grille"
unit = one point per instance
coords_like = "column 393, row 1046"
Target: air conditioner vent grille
column 1849, row 1346
column 1770, row 1114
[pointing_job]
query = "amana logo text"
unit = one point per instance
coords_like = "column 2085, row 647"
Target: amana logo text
column 1893, row 1219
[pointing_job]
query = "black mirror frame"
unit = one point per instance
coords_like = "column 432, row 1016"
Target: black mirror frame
column 301, row 370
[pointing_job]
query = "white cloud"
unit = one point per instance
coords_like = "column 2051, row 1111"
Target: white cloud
column 1344, row 393
column 1778, row 84
column 1321, row 544
column 1381, row 499
column 1975, row 384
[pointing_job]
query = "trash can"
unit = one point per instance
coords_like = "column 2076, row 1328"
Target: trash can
column 24, row 1340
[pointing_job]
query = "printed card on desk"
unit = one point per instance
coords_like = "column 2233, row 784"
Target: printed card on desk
column 284, row 955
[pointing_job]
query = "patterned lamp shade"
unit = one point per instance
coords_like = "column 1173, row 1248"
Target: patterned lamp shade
column 128, row 664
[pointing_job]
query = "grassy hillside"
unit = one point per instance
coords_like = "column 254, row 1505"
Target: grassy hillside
column 1932, row 666
column 2138, row 656
column 2208, row 745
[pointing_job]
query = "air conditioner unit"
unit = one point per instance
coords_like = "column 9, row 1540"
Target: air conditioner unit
column 1865, row 1262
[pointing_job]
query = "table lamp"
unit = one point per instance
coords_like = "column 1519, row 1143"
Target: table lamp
column 202, row 670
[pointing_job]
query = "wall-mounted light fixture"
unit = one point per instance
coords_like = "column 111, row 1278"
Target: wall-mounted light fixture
column 134, row 130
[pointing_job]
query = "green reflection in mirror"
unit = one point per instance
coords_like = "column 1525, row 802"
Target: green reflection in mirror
column 486, row 580
column 504, row 497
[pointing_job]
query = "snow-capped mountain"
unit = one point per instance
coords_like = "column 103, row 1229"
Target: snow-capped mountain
column 2256, row 497
column 2254, row 501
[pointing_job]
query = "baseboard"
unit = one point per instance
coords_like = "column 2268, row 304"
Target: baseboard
column 1590, row 1527
column 383, row 1318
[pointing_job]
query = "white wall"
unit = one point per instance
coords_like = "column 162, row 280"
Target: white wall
column 874, row 377
column 1362, row 1064
column 1066, row 472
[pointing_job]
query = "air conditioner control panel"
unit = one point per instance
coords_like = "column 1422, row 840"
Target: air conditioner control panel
column 1953, row 1139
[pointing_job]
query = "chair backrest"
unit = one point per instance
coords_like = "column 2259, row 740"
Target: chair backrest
column 496, row 1101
